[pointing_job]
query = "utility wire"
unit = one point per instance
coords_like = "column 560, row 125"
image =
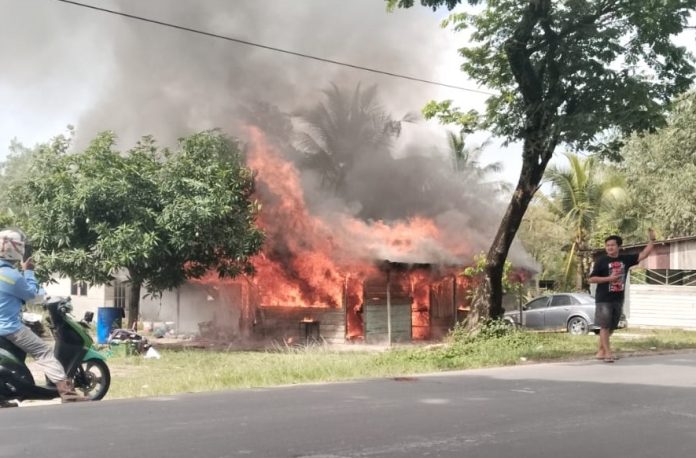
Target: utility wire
column 271, row 48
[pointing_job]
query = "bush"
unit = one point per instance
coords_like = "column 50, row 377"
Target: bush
column 488, row 329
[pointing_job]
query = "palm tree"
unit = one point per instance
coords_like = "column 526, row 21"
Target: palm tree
column 343, row 130
column 466, row 160
column 580, row 194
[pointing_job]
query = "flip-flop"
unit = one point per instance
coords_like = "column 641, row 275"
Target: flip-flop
column 611, row 359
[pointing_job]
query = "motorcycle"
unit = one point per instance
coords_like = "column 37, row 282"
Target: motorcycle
column 74, row 349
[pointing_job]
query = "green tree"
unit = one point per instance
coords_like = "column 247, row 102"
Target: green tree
column 545, row 238
column 13, row 170
column 565, row 72
column 467, row 161
column 661, row 171
column 160, row 216
column 342, row 130
column 581, row 193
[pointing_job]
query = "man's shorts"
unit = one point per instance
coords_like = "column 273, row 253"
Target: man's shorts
column 608, row 314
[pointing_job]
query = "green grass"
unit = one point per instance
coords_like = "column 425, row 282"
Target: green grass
column 205, row 370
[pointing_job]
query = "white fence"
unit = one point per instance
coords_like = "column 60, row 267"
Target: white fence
column 671, row 306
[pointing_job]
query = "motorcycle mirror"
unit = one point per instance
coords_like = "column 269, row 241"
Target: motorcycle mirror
column 89, row 316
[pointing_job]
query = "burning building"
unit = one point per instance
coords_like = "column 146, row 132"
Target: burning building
column 335, row 277
column 324, row 251
column 326, row 273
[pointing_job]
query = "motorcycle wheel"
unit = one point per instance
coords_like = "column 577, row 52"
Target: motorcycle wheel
column 93, row 379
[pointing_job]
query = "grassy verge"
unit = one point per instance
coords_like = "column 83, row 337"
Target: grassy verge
column 200, row 370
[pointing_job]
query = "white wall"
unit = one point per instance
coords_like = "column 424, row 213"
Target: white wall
column 198, row 302
column 660, row 305
column 81, row 304
column 219, row 301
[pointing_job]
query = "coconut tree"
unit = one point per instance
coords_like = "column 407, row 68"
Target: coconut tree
column 581, row 192
column 343, row 129
column 466, row 160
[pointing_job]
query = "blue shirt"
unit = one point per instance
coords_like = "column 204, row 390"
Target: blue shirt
column 15, row 289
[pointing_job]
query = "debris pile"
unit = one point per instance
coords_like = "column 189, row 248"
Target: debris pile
column 134, row 343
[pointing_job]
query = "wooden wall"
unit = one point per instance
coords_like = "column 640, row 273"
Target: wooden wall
column 376, row 331
column 284, row 323
column 375, row 310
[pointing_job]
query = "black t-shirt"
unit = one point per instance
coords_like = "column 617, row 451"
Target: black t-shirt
column 606, row 266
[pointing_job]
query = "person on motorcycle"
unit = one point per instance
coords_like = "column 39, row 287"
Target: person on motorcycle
column 17, row 288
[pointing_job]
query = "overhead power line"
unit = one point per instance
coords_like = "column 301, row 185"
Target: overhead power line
column 271, row 48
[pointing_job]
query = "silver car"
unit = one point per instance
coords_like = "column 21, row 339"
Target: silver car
column 571, row 311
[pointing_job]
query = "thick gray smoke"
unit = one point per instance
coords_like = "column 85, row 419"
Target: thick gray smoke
column 141, row 78
column 145, row 78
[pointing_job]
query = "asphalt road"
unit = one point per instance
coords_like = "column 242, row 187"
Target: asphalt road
column 636, row 407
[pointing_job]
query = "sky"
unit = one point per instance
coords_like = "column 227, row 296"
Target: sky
column 67, row 65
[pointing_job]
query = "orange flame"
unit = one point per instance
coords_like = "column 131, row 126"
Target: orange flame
column 313, row 261
column 295, row 267
column 309, row 260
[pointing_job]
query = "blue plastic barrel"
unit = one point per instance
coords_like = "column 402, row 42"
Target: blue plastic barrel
column 108, row 319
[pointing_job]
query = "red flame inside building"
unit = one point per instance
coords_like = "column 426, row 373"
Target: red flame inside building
column 313, row 261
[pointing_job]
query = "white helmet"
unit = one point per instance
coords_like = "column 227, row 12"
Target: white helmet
column 12, row 244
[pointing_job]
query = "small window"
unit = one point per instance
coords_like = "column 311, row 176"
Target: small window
column 119, row 294
column 78, row 288
column 559, row 301
column 539, row 303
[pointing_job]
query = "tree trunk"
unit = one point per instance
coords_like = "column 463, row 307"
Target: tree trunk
column 581, row 276
column 134, row 306
column 488, row 299
column 584, row 274
column 541, row 99
column 579, row 264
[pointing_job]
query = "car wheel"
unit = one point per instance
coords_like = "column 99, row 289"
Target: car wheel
column 578, row 326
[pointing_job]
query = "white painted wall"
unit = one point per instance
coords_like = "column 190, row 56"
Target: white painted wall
column 218, row 301
column 662, row 306
column 94, row 299
column 198, row 302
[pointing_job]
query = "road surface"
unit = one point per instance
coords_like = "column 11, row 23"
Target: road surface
column 636, row 407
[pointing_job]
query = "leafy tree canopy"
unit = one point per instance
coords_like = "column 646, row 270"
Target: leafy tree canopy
column 345, row 129
column 545, row 237
column 566, row 72
column 581, row 193
column 661, row 172
column 591, row 66
column 434, row 4
column 163, row 216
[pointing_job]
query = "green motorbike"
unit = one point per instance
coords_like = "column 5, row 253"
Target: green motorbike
column 74, row 348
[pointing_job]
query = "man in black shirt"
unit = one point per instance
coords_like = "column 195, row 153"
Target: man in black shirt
column 609, row 273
